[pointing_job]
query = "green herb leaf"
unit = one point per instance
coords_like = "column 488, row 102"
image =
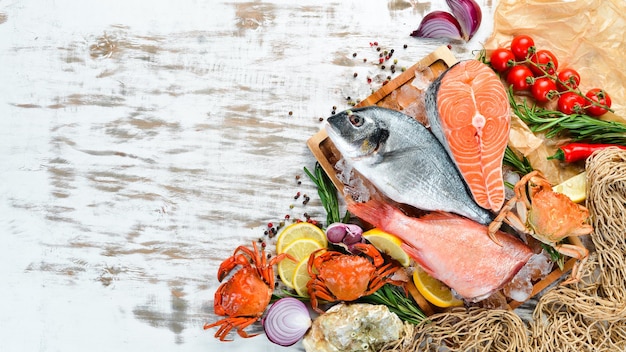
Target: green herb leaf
column 555, row 256
column 398, row 302
column 578, row 127
column 521, row 166
column 328, row 195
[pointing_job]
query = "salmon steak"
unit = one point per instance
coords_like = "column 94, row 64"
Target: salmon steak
column 451, row 248
column 469, row 113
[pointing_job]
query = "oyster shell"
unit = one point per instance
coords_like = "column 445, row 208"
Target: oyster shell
column 353, row 327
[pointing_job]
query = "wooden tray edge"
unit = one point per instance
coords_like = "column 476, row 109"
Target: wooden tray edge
column 441, row 53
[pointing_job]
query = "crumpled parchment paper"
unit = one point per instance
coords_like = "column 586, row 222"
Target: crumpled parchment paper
column 586, row 35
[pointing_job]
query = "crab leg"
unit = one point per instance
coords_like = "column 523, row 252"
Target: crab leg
column 579, row 252
column 267, row 273
column 372, row 252
column 382, row 277
column 228, row 324
column 317, row 289
column 229, row 264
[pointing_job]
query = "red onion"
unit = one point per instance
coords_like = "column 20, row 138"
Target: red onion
column 287, row 320
column 469, row 15
column 439, row 24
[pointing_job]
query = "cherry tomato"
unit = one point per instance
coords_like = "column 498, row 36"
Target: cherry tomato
column 546, row 63
column 571, row 103
column 501, row 59
column 521, row 45
column 544, row 89
column 601, row 97
column 519, row 76
column 569, row 78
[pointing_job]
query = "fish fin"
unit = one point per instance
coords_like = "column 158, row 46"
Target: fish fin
column 438, row 215
column 401, row 154
column 414, row 254
column 374, row 211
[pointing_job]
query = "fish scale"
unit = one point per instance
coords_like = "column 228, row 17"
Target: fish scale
column 403, row 160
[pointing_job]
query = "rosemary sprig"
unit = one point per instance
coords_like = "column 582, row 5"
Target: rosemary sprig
column 521, row 166
column 576, row 126
column 555, row 256
column 328, row 195
column 398, row 302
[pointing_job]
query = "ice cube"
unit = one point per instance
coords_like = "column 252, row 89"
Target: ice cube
column 521, row 287
column 423, row 78
column 353, row 185
column 539, row 265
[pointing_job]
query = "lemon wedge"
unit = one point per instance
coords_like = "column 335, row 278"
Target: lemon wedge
column 435, row 291
column 297, row 231
column 301, row 250
column 388, row 244
column 575, row 187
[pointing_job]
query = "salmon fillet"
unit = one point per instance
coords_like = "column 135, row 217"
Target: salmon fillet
column 469, row 113
column 451, row 248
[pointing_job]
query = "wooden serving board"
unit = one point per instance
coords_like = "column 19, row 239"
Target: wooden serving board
column 327, row 154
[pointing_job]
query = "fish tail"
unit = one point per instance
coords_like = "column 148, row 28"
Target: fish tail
column 374, row 212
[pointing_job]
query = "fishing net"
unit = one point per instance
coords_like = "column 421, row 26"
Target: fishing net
column 588, row 316
column 592, row 315
column 473, row 329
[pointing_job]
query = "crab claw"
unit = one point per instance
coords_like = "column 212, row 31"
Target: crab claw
column 229, row 264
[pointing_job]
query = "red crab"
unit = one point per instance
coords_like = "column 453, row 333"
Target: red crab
column 343, row 277
column 244, row 297
column 548, row 216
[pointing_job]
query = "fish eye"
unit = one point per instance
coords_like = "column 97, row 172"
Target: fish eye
column 355, row 120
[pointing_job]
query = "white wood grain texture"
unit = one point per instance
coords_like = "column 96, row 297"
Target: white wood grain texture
column 141, row 142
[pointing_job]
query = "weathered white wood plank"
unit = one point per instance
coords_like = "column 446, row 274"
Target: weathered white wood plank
column 141, row 142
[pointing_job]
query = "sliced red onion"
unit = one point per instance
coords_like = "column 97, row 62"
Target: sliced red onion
column 287, row 320
column 469, row 15
column 439, row 24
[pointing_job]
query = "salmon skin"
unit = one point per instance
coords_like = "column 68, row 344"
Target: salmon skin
column 468, row 110
column 451, row 248
column 403, row 160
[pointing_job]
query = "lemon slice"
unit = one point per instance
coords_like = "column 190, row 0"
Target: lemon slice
column 301, row 250
column 575, row 187
column 297, row 231
column 388, row 244
column 301, row 278
column 435, row 291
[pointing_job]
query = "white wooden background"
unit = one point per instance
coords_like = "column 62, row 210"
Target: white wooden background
column 142, row 141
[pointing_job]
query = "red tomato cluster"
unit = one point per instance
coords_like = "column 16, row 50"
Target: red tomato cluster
column 527, row 69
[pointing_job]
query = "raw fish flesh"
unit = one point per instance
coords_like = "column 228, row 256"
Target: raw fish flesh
column 469, row 113
column 451, row 248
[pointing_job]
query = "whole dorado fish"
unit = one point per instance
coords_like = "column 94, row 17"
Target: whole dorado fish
column 403, row 160
column 451, row 248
